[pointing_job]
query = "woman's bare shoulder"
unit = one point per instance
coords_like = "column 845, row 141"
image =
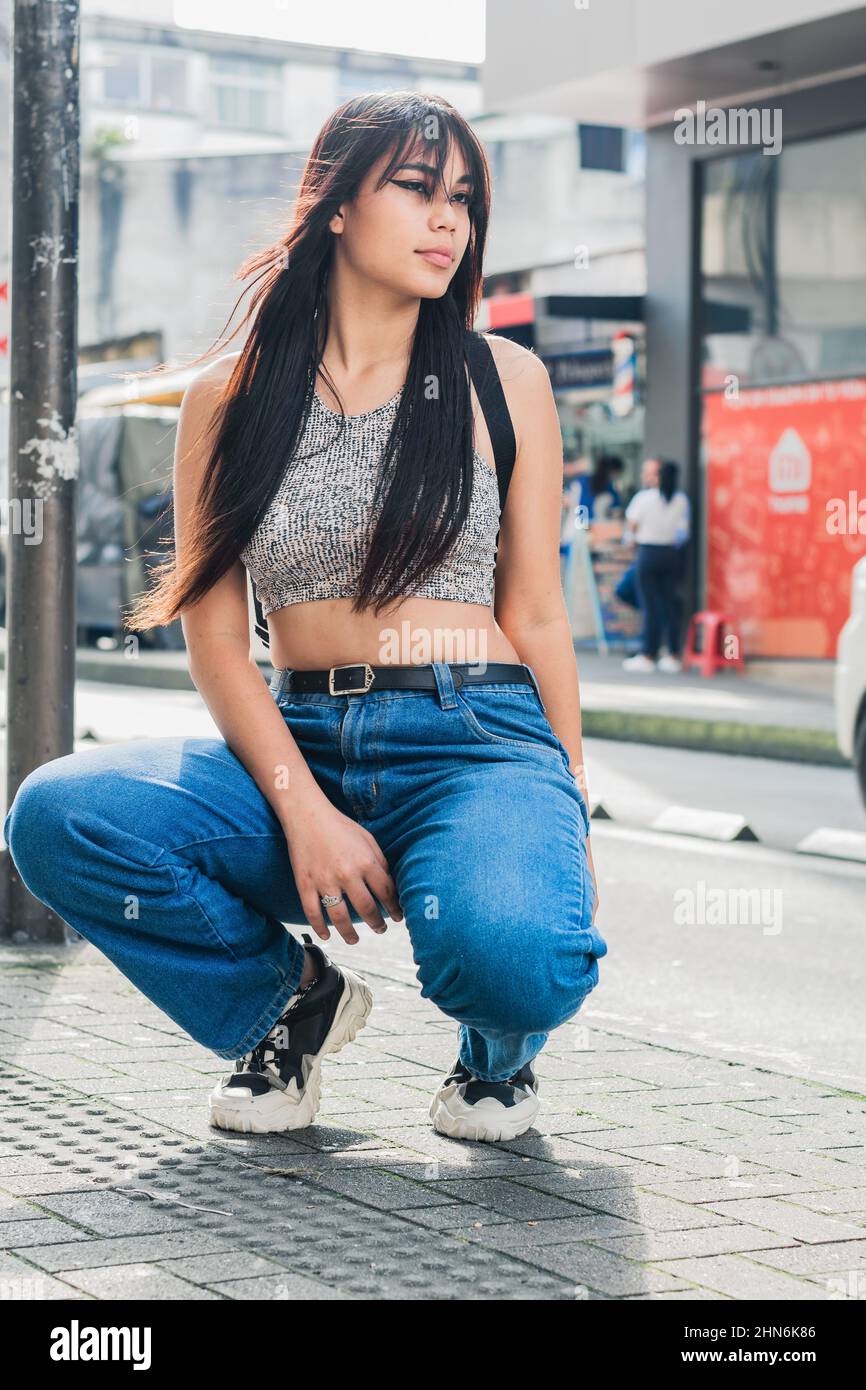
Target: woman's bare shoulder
column 215, row 373
column 201, row 406
column 520, row 369
column 526, row 384
column 204, row 393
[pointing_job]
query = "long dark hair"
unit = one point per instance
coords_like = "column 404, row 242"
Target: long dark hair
column 669, row 473
column 425, row 485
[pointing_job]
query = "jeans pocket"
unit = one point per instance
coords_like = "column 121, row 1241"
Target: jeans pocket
column 508, row 716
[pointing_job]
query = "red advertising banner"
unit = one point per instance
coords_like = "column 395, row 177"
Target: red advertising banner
column 786, row 511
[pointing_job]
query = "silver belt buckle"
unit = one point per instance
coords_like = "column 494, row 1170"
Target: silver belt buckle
column 369, row 677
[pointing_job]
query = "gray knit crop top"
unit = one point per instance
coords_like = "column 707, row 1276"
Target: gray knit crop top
column 311, row 542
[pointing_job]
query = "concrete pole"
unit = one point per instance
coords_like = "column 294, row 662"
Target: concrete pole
column 43, row 442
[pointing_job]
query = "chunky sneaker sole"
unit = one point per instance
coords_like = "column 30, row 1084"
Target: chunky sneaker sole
column 276, row 1086
column 464, row 1107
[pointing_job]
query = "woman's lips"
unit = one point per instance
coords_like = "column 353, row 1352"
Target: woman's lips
column 435, row 257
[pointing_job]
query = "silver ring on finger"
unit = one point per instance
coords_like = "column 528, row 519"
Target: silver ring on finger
column 329, row 899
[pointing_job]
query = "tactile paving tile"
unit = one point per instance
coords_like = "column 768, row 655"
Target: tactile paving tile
column 343, row 1243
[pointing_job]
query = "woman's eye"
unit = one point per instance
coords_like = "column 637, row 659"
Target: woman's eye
column 419, row 186
column 411, row 183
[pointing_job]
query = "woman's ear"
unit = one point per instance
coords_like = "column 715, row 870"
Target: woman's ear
column 336, row 223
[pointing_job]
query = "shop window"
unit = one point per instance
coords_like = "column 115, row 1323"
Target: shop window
column 783, row 251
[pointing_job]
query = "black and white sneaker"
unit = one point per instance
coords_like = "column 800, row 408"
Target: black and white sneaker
column 276, row 1086
column 464, row 1107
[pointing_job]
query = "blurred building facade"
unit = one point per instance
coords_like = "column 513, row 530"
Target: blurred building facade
column 755, row 303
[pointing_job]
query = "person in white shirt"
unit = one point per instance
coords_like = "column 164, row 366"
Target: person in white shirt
column 659, row 519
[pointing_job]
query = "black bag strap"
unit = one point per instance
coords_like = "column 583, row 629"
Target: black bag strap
column 260, row 625
column 491, row 398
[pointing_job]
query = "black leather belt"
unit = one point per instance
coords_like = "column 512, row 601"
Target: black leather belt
column 357, row 679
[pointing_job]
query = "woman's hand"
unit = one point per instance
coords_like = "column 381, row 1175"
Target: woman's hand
column 330, row 853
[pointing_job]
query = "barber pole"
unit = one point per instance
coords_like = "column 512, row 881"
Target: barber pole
column 622, row 399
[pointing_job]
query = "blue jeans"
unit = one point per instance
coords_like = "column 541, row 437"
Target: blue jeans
column 165, row 854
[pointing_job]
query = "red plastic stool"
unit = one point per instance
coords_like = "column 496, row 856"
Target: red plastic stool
column 706, row 640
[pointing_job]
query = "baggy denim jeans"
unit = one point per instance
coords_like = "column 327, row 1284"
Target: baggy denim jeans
column 166, row 856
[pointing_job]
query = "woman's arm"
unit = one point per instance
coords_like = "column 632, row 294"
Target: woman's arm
column 217, row 632
column 632, row 517
column 530, row 605
column 329, row 851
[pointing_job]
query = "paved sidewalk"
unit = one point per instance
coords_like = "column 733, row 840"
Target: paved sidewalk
column 651, row 1172
column 777, row 709
column 798, row 694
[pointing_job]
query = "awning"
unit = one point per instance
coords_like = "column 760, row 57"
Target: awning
column 510, row 310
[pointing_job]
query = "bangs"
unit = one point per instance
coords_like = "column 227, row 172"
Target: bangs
column 415, row 146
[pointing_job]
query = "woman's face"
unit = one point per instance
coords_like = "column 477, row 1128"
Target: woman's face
column 387, row 235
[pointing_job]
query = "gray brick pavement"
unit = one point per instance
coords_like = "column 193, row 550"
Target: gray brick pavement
column 651, row 1172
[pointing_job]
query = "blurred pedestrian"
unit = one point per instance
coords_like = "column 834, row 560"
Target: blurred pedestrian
column 598, row 491
column 659, row 519
column 627, row 590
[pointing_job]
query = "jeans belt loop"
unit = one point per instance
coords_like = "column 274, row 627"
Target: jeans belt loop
column 444, row 684
column 535, row 684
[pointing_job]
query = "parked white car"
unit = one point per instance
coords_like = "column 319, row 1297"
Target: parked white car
column 851, row 679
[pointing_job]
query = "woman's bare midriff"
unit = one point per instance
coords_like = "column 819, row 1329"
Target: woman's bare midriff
column 316, row 635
